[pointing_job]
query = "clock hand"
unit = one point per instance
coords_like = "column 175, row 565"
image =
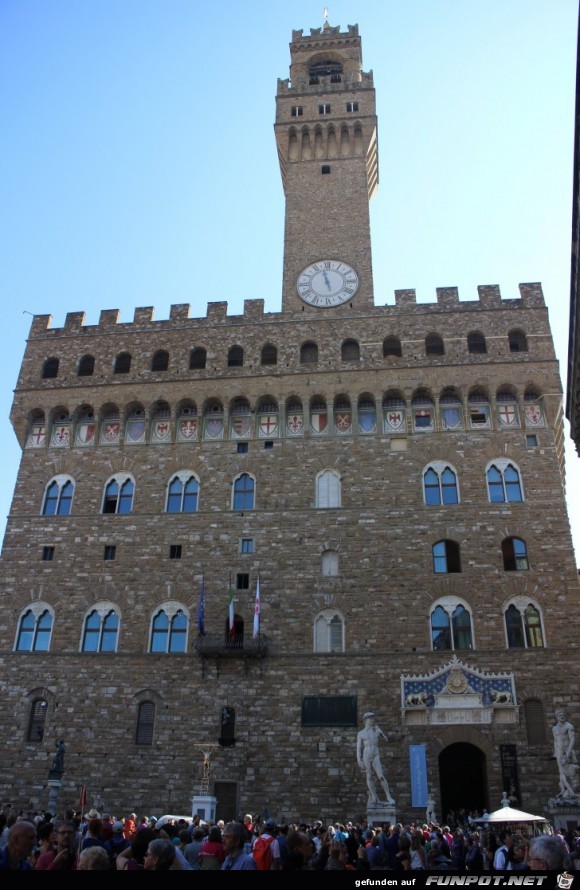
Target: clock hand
column 327, row 281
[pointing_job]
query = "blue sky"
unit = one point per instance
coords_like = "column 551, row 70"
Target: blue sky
column 138, row 163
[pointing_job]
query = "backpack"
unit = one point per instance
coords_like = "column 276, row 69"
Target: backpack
column 262, row 853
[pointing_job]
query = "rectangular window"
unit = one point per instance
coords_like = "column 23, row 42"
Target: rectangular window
column 352, row 106
column 532, row 441
column 325, row 169
column 329, row 710
column 110, row 552
column 47, row 554
column 247, row 545
column 297, row 111
column 175, row 551
column 268, row 444
column 242, row 581
column 324, row 109
column 242, row 447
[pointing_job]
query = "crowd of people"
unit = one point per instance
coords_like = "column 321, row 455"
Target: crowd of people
column 95, row 841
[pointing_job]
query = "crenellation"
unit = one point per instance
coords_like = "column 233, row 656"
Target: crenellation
column 253, row 310
column 447, row 296
column 40, row 325
column 143, row 314
column 405, row 298
column 532, row 294
column 217, row 312
column 489, row 295
column 179, row 312
column 109, row 317
column 73, row 322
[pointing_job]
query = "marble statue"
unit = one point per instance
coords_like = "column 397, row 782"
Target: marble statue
column 368, row 757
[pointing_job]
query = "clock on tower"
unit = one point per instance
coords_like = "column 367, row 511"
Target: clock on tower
column 326, row 133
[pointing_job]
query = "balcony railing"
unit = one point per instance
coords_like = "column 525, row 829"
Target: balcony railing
column 238, row 647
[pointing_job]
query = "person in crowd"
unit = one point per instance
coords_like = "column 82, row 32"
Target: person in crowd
column 234, row 839
column 94, row 859
column 546, row 853
column 133, row 858
column 160, row 855
column 63, row 857
column 212, row 850
column 15, row 855
column 192, row 850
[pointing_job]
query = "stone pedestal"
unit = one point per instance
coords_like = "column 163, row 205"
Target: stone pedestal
column 380, row 812
column 204, row 806
column 54, row 786
column 564, row 812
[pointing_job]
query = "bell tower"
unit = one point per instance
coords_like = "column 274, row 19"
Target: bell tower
column 326, row 134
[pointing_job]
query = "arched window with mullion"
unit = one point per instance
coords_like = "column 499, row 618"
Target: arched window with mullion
column 34, row 632
column 58, row 498
column 100, row 632
column 182, row 495
column 440, row 629
column 461, row 621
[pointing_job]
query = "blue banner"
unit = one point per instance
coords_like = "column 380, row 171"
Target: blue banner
column 418, row 768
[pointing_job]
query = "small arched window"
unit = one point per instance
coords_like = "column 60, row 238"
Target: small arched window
column 350, row 351
column 50, row 368
column 269, row 355
column 182, row 494
column 476, row 344
column 100, row 632
column 308, row 353
column 37, row 720
column 503, row 483
column 434, row 345
column 329, row 631
column 392, row 347
column 446, row 558
column 515, row 555
column 327, row 490
column 86, row 366
column 329, row 564
column 197, row 359
column 34, row 631
column 160, row 360
column 523, row 622
column 58, row 497
column 122, row 363
column 440, row 485
column 168, row 634
column 518, row 341
column 243, row 493
column 145, row 723
column 235, row 357
column 119, row 496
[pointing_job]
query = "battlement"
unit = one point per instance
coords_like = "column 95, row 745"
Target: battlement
column 325, row 32
column 489, row 297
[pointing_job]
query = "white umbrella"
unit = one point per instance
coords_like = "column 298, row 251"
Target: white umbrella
column 510, row 814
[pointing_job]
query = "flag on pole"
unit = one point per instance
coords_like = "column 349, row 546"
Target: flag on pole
column 231, row 613
column 201, row 609
column 257, row 610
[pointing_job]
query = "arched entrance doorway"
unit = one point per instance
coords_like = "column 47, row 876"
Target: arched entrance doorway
column 463, row 778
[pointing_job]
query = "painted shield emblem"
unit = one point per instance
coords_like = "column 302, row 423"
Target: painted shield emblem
column 533, row 415
column 295, row 425
column 85, row 434
column 394, row 421
column 161, row 430
column 268, row 425
column 343, row 422
column 187, row 429
column 111, row 431
column 367, row 421
column 61, row 436
column 241, row 427
column 135, row 431
column 507, row 415
column 451, row 418
column 318, row 423
column 37, row 436
column 214, row 428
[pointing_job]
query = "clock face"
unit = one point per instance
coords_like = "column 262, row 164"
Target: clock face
column 327, row 283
